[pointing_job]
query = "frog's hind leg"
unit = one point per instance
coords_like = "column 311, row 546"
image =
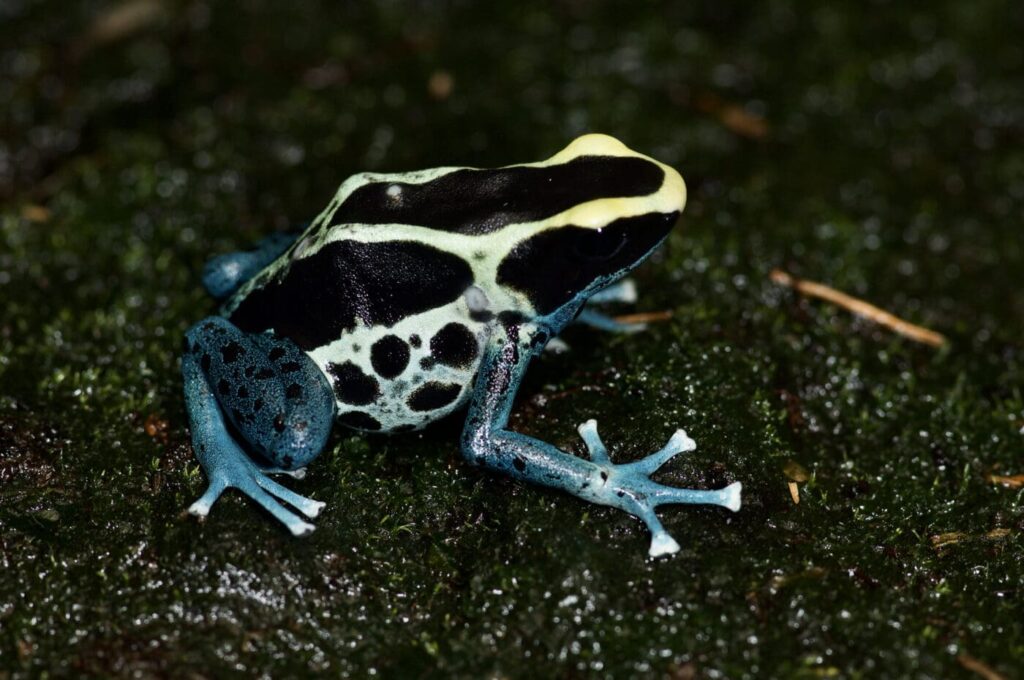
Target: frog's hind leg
column 277, row 401
column 225, row 274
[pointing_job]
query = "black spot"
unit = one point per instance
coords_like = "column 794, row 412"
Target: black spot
column 427, row 363
column 290, row 366
column 242, row 392
column 433, row 395
column 279, row 422
column 352, row 385
column 604, row 476
column 359, row 420
column 250, row 370
column 319, row 297
column 224, row 387
column 205, row 362
column 454, row 345
column 276, row 353
column 557, row 264
column 231, row 352
column 518, row 463
column 257, row 405
column 389, row 356
column 482, row 315
column 265, row 374
column 415, row 341
column 471, row 201
column 511, row 318
column 294, row 391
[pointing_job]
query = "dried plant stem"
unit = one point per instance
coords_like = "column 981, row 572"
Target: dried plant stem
column 645, row 317
column 1012, row 481
column 859, row 307
column 979, row 667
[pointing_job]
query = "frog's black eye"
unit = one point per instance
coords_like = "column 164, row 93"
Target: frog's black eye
column 599, row 244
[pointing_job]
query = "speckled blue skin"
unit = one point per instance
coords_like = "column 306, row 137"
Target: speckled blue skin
column 271, row 392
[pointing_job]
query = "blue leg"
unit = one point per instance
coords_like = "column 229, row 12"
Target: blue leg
column 276, row 399
column 603, row 322
column 623, row 291
column 225, row 274
column 628, row 487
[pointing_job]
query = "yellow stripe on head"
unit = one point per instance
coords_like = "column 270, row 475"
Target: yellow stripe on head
column 669, row 198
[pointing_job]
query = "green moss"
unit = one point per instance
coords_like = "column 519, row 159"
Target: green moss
column 889, row 166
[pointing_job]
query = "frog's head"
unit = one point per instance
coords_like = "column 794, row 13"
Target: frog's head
column 632, row 202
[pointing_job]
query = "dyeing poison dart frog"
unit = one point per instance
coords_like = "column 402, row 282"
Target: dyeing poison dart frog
column 414, row 294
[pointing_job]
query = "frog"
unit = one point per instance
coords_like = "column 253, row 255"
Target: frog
column 413, row 295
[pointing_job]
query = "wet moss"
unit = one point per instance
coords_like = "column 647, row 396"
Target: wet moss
column 875, row 149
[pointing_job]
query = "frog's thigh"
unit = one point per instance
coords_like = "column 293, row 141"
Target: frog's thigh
column 272, row 393
column 225, row 274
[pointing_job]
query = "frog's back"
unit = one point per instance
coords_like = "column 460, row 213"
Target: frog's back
column 394, row 288
column 391, row 323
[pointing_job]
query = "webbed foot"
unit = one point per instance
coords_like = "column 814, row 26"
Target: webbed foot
column 628, row 486
column 229, row 467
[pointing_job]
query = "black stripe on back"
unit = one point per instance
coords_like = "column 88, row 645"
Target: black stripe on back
column 555, row 265
column 472, row 201
column 320, row 297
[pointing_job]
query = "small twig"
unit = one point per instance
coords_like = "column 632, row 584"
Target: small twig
column 979, row 667
column 645, row 317
column 733, row 116
column 860, row 307
column 948, row 538
column 1012, row 481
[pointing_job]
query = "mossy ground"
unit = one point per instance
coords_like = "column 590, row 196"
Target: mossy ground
column 872, row 146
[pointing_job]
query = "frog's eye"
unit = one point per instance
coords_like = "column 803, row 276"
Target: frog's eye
column 599, row 245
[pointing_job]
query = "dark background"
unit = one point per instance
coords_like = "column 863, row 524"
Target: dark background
column 875, row 146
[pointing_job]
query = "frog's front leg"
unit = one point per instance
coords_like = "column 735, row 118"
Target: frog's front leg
column 603, row 322
column 276, row 399
column 624, row 292
column 225, row 274
column 487, row 442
